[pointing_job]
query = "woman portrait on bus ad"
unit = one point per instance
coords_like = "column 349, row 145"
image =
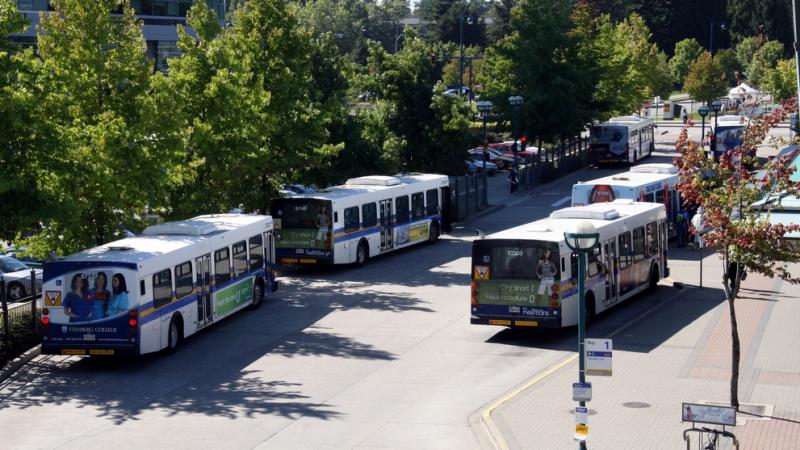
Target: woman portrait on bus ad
column 119, row 296
column 546, row 271
column 100, row 297
column 77, row 305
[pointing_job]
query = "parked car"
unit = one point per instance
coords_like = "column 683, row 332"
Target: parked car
column 453, row 92
column 506, row 147
column 502, row 161
column 16, row 275
column 476, row 166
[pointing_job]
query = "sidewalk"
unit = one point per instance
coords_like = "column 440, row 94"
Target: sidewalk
column 680, row 352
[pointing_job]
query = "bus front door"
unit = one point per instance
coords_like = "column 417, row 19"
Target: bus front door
column 386, row 225
column 610, row 255
column 205, row 311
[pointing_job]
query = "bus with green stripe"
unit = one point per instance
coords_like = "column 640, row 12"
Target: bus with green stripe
column 527, row 276
column 147, row 293
column 361, row 219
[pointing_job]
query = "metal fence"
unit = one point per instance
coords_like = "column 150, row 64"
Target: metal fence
column 467, row 196
column 18, row 302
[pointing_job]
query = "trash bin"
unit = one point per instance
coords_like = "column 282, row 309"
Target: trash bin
column 676, row 110
column 669, row 110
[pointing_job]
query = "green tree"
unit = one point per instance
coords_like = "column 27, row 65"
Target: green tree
column 745, row 50
column 686, row 53
column 112, row 156
column 781, row 81
column 427, row 129
column 737, row 203
column 706, row 80
column 649, row 70
column 771, row 19
column 500, row 14
column 763, row 61
column 20, row 143
column 446, row 20
column 253, row 117
column 542, row 62
column 730, row 65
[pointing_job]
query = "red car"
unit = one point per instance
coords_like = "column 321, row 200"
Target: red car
column 500, row 160
column 505, row 148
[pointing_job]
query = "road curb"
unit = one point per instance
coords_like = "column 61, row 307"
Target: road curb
column 495, row 437
column 18, row 362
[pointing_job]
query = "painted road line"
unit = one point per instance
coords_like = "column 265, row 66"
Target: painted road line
column 495, row 437
column 562, row 201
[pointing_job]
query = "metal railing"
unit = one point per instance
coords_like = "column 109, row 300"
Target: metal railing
column 18, row 315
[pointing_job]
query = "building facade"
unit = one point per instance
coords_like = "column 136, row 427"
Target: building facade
column 160, row 19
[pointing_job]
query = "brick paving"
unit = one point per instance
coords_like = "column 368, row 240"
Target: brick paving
column 658, row 365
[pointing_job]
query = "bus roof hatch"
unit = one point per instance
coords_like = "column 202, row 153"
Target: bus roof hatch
column 596, row 211
column 374, row 180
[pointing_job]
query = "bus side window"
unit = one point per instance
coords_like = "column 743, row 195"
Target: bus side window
column 162, row 288
column 141, row 287
column 351, row 219
column 432, row 202
column 624, row 250
column 651, row 239
column 638, row 244
column 649, row 197
column 183, row 279
column 239, row 258
column 563, row 265
column 256, row 252
column 417, row 205
column 369, row 215
column 401, row 209
column 222, row 266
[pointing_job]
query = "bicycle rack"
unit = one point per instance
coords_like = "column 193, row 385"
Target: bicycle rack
column 723, row 433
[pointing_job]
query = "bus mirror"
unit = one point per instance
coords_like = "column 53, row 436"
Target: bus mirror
column 479, row 233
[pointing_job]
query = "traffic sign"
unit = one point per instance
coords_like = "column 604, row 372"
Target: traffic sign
column 581, row 415
column 597, row 356
column 581, row 392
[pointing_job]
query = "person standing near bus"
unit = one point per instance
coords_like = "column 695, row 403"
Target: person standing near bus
column 684, row 115
column 119, row 296
column 323, row 224
column 546, row 270
column 512, row 180
column 100, row 297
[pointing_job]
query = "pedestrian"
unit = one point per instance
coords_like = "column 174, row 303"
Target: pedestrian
column 733, row 268
column 682, row 229
column 512, row 180
column 684, row 116
column 697, row 224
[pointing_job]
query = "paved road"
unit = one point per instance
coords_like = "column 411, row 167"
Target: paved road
column 377, row 357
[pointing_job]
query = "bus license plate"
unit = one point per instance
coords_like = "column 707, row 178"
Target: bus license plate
column 101, row 351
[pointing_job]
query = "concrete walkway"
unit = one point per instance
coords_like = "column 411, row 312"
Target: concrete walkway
column 678, row 352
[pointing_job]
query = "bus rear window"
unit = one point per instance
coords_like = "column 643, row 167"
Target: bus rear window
column 524, row 261
column 300, row 212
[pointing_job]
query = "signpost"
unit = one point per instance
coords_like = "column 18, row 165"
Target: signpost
column 581, row 392
column 598, row 357
column 717, row 415
column 581, row 423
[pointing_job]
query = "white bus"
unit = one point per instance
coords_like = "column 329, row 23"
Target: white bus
column 369, row 216
column 622, row 139
column 654, row 183
column 147, row 293
column 527, row 276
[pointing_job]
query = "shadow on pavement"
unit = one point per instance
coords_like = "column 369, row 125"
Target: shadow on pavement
column 660, row 316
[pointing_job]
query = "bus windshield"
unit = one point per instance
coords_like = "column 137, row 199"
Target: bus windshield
column 524, row 260
column 728, row 138
column 608, row 133
column 301, row 212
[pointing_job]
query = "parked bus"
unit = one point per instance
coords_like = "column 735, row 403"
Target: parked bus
column 654, row 183
column 147, row 293
column 527, row 276
column 369, row 216
column 622, row 139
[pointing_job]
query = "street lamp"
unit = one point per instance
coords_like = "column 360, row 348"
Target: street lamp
column 470, row 21
column 712, row 144
column 515, row 102
column 581, row 238
column 722, row 26
column 703, row 111
column 485, row 108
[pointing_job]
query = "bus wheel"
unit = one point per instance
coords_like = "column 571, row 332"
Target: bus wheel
column 174, row 336
column 433, row 234
column 258, row 293
column 362, row 254
column 653, row 278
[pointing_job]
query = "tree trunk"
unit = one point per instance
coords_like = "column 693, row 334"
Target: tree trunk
column 735, row 353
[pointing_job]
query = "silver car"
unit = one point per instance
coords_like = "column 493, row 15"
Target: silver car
column 17, row 277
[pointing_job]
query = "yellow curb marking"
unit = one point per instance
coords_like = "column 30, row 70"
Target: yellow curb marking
column 495, row 437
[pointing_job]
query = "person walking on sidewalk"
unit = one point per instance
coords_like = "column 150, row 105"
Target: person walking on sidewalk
column 684, row 116
column 512, row 180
